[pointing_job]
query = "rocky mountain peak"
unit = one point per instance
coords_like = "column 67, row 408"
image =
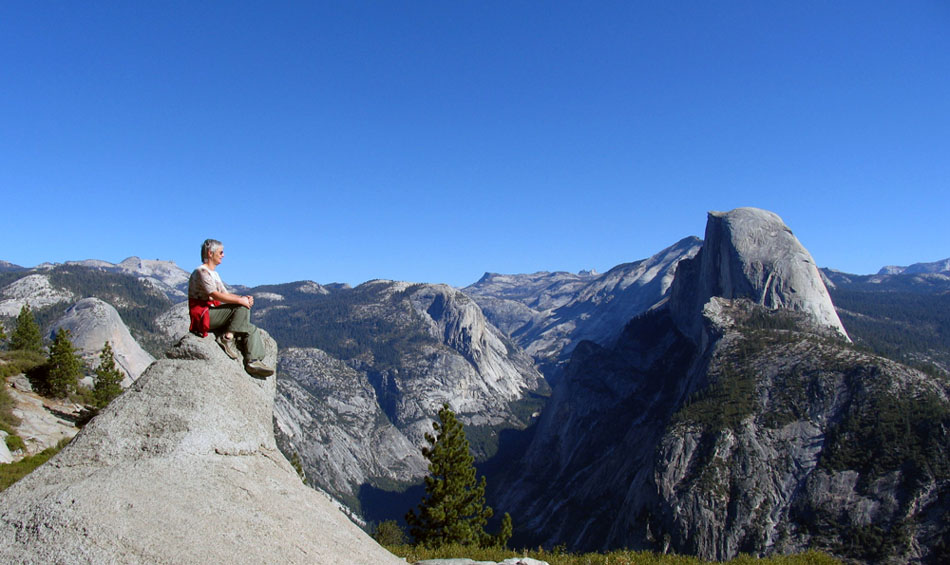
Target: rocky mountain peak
column 750, row 253
column 166, row 271
column 310, row 287
column 182, row 468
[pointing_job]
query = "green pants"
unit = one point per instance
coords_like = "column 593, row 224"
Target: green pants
column 237, row 319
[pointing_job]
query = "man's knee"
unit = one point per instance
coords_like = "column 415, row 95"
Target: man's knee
column 242, row 313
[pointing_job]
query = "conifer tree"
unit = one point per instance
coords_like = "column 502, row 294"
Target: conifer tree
column 3, row 334
column 26, row 336
column 504, row 532
column 453, row 509
column 389, row 533
column 108, row 378
column 64, row 366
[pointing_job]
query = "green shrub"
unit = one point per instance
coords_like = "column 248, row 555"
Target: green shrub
column 14, row 442
column 13, row 472
column 19, row 361
column 8, row 420
column 83, row 395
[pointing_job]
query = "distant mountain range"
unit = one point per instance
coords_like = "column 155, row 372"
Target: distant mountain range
column 548, row 314
column 937, row 267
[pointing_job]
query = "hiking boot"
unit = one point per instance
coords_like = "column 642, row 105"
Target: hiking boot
column 228, row 346
column 257, row 368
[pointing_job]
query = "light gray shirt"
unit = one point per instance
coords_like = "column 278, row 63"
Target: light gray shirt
column 203, row 282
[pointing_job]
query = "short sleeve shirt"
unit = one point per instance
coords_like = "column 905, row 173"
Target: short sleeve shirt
column 203, row 282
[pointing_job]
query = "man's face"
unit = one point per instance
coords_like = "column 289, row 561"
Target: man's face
column 217, row 256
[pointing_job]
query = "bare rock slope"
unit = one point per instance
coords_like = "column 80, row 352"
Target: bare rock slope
column 183, row 468
column 93, row 322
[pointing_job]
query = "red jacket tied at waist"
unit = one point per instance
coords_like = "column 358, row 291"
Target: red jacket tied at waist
column 198, row 310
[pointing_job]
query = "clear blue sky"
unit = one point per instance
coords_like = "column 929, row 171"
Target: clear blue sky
column 433, row 141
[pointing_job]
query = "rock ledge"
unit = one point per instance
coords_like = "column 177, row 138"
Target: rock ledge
column 182, row 468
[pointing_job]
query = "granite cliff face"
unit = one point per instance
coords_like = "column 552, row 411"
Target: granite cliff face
column 736, row 417
column 751, row 253
column 330, row 415
column 182, row 468
column 368, row 368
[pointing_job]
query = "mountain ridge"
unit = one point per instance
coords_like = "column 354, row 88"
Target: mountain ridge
column 934, row 267
column 550, row 313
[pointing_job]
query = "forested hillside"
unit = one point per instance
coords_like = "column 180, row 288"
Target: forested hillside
column 347, row 323
column 903, row 317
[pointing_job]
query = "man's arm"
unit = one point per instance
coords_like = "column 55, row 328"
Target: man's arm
column 228, row 298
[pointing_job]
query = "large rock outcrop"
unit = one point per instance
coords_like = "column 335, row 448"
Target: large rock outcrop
column 182, row 468
column 92, row 322
column 750, row 253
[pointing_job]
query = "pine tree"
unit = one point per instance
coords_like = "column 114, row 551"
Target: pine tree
column 108, row 378
column 504, row 532
column 3, row 334
column 64, row 366
column 389, row 533
column 26, row 336
column 453, row 510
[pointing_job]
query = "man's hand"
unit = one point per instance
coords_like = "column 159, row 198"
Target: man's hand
column 248, row 301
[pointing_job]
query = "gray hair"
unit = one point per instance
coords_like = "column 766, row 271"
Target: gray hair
column 209, row 247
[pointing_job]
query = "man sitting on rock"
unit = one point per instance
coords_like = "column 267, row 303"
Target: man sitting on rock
column 213, row 308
